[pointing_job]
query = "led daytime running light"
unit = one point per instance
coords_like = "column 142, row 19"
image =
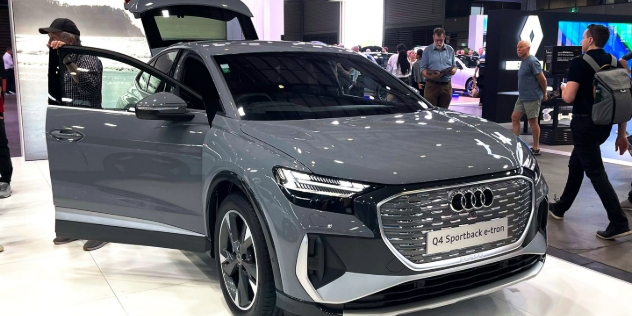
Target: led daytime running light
column 298, row 181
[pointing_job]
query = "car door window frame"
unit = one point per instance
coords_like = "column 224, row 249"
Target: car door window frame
column 139, row 65
column 180, row 70
column 169, row 72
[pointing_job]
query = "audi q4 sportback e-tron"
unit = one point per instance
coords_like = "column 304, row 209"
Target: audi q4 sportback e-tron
column 319, row 183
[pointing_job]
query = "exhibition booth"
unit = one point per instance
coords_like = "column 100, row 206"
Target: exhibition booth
column 498, row 32
column 545, row 30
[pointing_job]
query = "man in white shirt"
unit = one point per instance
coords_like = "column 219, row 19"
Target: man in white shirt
column 8, row 67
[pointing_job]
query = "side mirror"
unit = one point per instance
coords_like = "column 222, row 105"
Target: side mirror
column 163, row 106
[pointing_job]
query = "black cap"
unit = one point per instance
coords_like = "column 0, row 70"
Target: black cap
column 61, row 25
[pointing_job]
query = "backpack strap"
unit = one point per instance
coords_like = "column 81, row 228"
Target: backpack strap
column 593, row 63
column 614, row 61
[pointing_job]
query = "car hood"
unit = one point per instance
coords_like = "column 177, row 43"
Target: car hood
column 395, row 149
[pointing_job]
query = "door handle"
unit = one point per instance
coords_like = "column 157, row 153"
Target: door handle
column 66, row 135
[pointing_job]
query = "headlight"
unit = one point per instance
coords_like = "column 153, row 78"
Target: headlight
column 318, row 192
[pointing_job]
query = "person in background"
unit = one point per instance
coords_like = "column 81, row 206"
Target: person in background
column 438, row 65
column 412, row 56
column 83, row 88
column 9, row 70
column 398, row 64
column 6, row 167
column 417, row 81
column 479, row 78
column 588, row 137
column 356, row 49
column 531, row 93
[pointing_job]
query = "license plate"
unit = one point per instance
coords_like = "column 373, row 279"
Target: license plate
column 467, row 236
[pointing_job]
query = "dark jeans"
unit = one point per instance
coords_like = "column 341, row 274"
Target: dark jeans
column 10, row 80
column 6, row 168
column 586, row 158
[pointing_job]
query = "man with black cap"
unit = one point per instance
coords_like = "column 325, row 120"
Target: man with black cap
column 83, row 80
column 82, row 84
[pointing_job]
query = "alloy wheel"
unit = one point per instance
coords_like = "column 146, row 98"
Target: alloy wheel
column 237, row 256
column 469, row 87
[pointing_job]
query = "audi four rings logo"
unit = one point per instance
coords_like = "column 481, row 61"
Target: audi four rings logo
column 471, row 200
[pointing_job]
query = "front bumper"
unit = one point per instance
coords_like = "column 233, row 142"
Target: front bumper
column 354, row 282
column 454, row 297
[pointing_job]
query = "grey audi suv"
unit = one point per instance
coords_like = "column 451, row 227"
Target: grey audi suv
column 318, row 182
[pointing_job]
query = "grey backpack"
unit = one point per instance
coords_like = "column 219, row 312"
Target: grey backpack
column 611, row 88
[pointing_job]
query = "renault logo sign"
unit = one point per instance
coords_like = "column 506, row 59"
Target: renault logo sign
column 532, row 32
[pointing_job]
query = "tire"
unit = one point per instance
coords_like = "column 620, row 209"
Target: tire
column 469, row 87
column 235, row 211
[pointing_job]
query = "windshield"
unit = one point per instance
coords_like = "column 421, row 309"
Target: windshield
column 298, row 86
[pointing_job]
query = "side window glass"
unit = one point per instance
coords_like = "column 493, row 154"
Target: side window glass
column 164, row 64
column 143, row 79
column 196, row 76
column 103, row 83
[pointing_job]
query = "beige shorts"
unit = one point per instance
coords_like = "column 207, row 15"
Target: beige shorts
column 531, row 108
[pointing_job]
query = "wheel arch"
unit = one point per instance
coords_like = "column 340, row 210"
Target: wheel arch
column 224, row 184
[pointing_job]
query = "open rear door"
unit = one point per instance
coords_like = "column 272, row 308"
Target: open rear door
column 167, row 22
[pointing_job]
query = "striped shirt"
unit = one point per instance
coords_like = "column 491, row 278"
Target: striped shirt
column 86, row 92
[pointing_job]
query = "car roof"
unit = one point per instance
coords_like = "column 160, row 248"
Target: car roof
column 217, row 48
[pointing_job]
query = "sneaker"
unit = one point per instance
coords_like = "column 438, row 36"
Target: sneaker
column 93, row 245
column 61, row 241
column 626, row 205
column 612, row 233
column 535, row 152
column 553, row 210
column 5, row 190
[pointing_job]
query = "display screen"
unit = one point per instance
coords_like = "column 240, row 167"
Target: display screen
column 571, row 33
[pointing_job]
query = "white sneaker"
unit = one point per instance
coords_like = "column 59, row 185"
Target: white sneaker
column 5, row 190
column 626, row 205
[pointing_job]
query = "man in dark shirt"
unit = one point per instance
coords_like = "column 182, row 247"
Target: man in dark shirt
column 417, row 81
column 587, row 137
column 84, row 74
column 626, row 204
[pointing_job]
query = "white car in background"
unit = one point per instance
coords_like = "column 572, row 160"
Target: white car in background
column 463, row 80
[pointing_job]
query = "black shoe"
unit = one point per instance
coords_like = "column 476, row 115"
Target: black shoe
column 93, row 245
column 553, row 211
column 62, row 241
column 612, row 233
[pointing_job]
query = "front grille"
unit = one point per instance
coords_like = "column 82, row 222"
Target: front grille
column 406, row 220
column 417, row 291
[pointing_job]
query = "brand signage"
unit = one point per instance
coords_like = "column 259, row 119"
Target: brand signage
column 532, row 32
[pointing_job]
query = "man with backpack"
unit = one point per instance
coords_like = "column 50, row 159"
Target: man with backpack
column 600, row 96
